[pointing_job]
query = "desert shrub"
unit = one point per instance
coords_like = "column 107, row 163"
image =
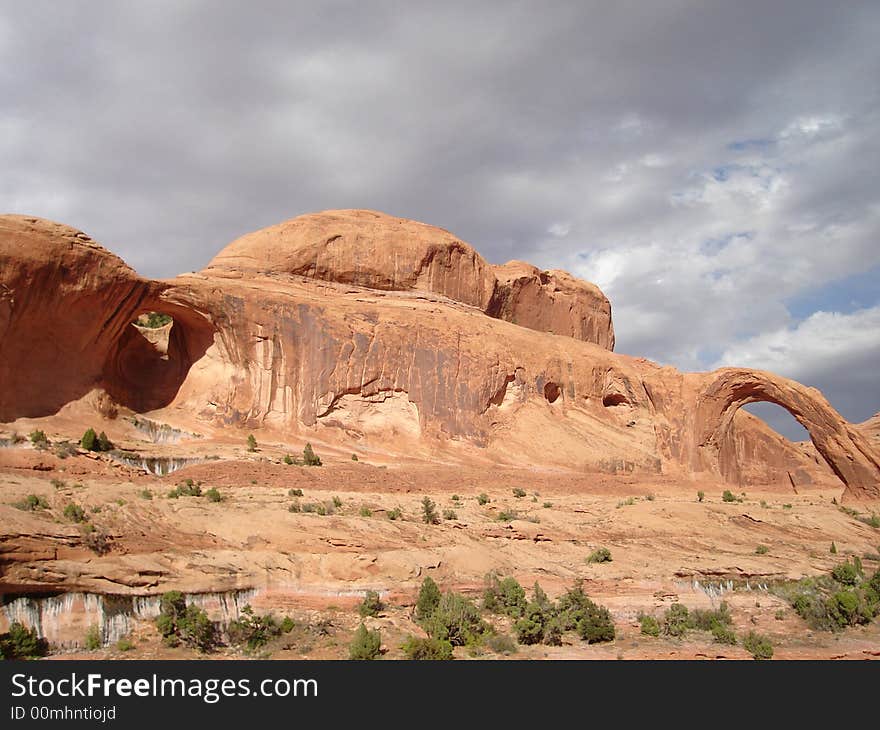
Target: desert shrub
column 251, row 442
column 649, row 625
column 65, row 449
column 530, row 627
column 295, row 507
column 288, row 459
column 32, row 503
column 427, row 649
column 729, row 496
column 449, row 514
column 213, row 495
column 354, row 457
column 39, row 439
column 507, row 515
column 310, row 458
column 58, row 483
column 706, row 620
column 539, row 597
column 371, row 605
column 501, row 644
column 189, row 625
column 89, row 439
column 287, row 625
column 596, row 625
column 394, row 514
column 723, row 634
column 547, row 505
column 762, row 550
column 833, row 550
column 124, row 644
column 456, row 620
column 600, row 555
column 504, row 596
column 103, row 443
column 251, row 631
column 365, row 511
column 187, row 488
column 96, row 540
column 337, row 503
column 294, row 492
column 146, row 494
column 872, row 521
column 20, row 642
column 846, row 573
column 519, row 493
column 429, row 512
column 75, row 513
column 311, row 507
column 428, row 600
column 553, row 631
column 483, row 498
column 93, row 638
column 365, row 644
column 758, row 645
column 676, row 620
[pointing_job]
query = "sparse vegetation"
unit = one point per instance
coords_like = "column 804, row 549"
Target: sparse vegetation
column 39, row 439
column 337, row 503
column 649, row 625
column 153, row 320
column 93, row 638
column 519, row 493
column 32, row 503
column 371, row 605
column 394, row 514
column 124, row 644
column 251, row 442
column 288, row 459
column 187, row 488
column 758, row 646
column 91, row 441
column 75, row 513
column 295, row 507
column 21, row 642
column 253, row 632
column 146, row 494
column 365, row 511
column 429, row 649
column 762, row 550
column 833, row 549
column 428, row 600
column 449, row 514
column 354, row 457
column 507, row 515
column 455, row 619
column 599, row 555
column 213, row 495
column 182, row 624
column 483, row 499
column 429, row 512
column 294, row 492
column 365, row 644
column 729, row 496
column 626, row 502
column 310, row 458
column 504, row 595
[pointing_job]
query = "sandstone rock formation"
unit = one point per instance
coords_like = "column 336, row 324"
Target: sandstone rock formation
column 356, row 326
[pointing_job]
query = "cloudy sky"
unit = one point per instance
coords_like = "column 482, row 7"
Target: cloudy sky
column 712, row 165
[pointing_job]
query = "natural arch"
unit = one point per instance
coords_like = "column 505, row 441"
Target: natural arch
column 846, row 450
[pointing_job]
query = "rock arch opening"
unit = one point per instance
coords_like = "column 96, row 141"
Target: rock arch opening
column 153, row 355
column 778, row 419
column 845, row 450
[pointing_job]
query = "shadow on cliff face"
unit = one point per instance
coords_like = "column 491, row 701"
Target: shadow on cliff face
column 151, row 359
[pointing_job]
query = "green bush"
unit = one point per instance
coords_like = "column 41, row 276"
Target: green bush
column 310, row 458
column 288, row 459
column 89, row 440
column 295, row 507
column 504, row 596
column 32, row 503
column 75, row 513
column 146, row 494
column 38, row 438
column 428, row 600
column 365, row 511
column 553, row 631
column 762, row 550
column 287, row 625
column 519, row 493
column 429, row 512
column 365, row 644
column 93, row 638
column 600, row 555
column 294, row 492
column 179, row 623
column 124, row 644
column 213, row 495
column 758, row 646
column 103, row 443
column 833, row 548
column 846, row 573
column 337, row 503
column 354, row 457
column 507, row 515
column 723, row 634
column 395, row 514
column 449, row 514
column 456, row 620
column 251, row 631
column 729, row 496
column 371, row 605
column 706, row 620
column 20, row 642
column 187, row 488
column 427, row 649
column 574, row 610
column 596, row 625
column 676, row 620
column 251, row 442
column 530, row 628
column 649, row 625
column 501, row 644
column 483, row 499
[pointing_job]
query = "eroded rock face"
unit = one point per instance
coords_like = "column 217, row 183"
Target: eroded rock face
column 358, row 326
